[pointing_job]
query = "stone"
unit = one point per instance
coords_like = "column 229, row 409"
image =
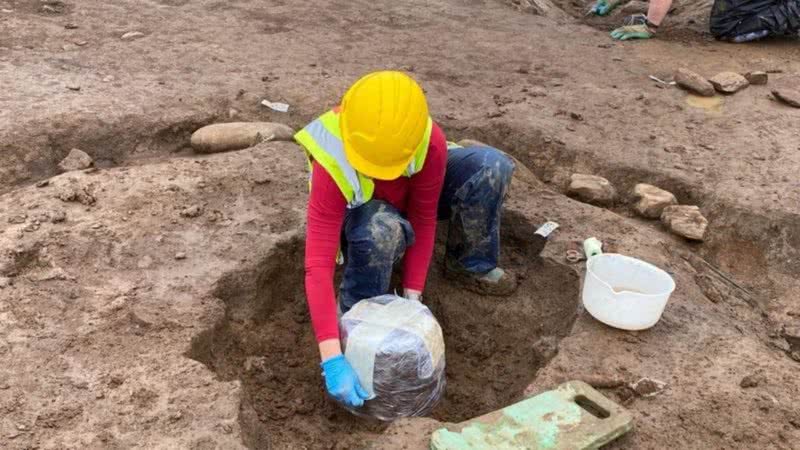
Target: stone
column 686, row 221
column 76, row 160
column 648, row 387
column 792, row 336
column 131, row 35
column 752, row 380
column 729, row 82
column 592, row 189
column 652, row 200
column 180, row 255
column 57, row 216
column 192, row 211
column 74, row 87
column 691, row 81
column 223, row 137
column 18, row 219
column 757, row 78
column 5, row 282
column 634, row 7
column 787, row 90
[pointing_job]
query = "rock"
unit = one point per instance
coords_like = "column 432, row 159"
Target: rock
column 18, row 219
column 5, row 282
column 238, row 135
column 602, row 381
column 42, row 183
column 73, row 87
column 180, row 255
column 792, row 336
column 790, row 97
column 787, row 90
column 729, row 82
column 757, row 78
column 648, row 387
column 76, row 160
column 192, row 211
column 752, row 380
column 686, row 221
column 694, row 82
column 592, row 189
column 75, row 193
column 652, row 200
column 57, row 216
column 131, row 35
column 634, row 7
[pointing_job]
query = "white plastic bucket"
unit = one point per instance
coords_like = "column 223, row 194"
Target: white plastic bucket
column 625, row 292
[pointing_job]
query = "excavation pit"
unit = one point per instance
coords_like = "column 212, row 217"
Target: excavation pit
column 494, row 345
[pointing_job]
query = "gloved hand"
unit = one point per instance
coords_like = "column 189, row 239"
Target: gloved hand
column 635, row 27
column 603, row 7
column 342, row 382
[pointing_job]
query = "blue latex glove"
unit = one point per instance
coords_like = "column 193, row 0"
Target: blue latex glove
column 603, row 7
column 342, row 382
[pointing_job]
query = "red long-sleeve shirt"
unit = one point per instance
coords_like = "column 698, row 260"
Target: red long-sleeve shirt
column 417, row 197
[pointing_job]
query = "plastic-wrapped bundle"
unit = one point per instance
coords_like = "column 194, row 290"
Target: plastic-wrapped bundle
column 737, row 18
column 395, row 345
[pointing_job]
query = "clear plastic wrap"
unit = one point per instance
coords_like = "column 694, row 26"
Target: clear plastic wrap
column 396, row 347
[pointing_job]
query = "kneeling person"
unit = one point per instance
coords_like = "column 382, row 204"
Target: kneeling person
column 381, row 177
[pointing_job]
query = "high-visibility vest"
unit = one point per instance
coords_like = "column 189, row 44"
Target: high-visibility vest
column 322, row 140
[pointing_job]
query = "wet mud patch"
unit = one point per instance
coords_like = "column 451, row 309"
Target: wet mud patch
column 495, row 345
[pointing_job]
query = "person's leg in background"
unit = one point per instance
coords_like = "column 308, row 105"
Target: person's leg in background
column 375, row 236
column 475, row 185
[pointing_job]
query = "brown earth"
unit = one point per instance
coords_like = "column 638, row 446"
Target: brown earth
column 111, row 339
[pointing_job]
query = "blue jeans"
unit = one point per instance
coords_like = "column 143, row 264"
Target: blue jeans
column 376, row 235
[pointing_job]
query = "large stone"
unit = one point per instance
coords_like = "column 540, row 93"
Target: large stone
column 694, row 82
column 223, row 137
column 652, row 200
column 686, row 221
column 787, row 90
column 76, row 160
column 729, row 82
column 592, row 189
column 757, row 78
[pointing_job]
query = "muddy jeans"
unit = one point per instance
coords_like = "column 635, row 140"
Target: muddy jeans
column 376, row 235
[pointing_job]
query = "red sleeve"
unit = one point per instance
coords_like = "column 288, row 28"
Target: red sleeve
column 325, row 215
column 423, row 202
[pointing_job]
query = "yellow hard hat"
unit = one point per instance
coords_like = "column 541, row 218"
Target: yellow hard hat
column 383, row 120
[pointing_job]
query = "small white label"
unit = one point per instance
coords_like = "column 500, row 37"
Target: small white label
column 276, row 106
column 546, row 229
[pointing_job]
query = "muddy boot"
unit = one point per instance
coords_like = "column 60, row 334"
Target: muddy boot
column 497, row 281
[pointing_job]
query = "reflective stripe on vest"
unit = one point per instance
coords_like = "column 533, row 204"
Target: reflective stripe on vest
column 322, row 141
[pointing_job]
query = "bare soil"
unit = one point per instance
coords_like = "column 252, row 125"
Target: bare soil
column 110, row 339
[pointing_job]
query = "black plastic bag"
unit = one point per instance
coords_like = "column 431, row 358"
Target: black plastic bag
column 732, row 18
column 396, row 347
